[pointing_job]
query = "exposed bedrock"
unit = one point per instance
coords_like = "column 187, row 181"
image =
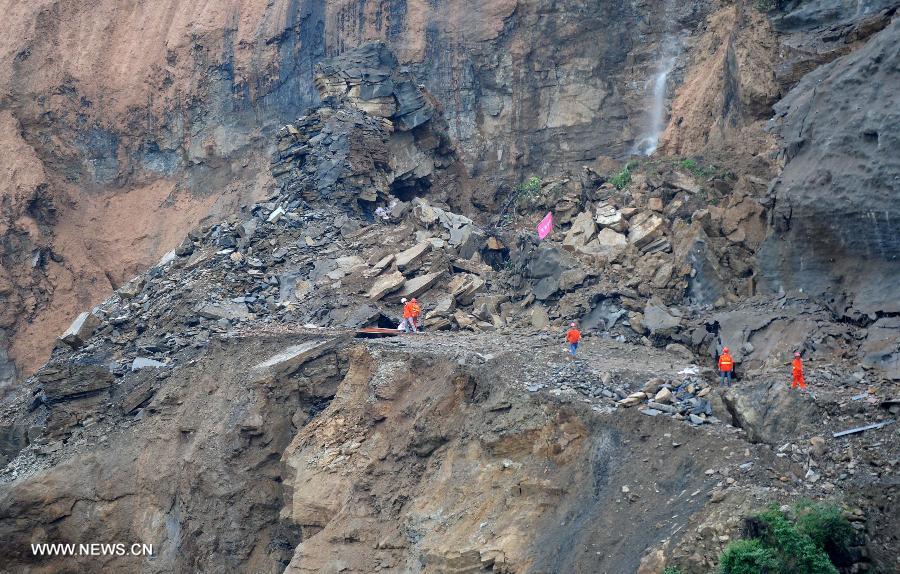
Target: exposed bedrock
column 836, row 216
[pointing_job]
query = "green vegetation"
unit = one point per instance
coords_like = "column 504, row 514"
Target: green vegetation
column 524, row 195
column 748, row 557
column 702, row 172
column 528, row 190
column 796, row 551
column 671, row 570
column 812, row 543
column 688, row 164
column 623, row 178
column 527, row 193
column 827, row 528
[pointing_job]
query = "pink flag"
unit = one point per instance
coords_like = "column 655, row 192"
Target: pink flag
column 545, row 226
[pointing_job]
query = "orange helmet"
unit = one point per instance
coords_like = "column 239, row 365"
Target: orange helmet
column 724, row 349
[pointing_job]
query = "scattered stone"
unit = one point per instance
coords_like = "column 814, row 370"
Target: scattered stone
column 132, row 289
column 664, row 396
column 226, row 310
column 145, row 363
column 80, row 330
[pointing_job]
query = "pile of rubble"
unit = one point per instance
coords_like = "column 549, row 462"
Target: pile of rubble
column 688, row 399
column 376, row 136
column 684, row 398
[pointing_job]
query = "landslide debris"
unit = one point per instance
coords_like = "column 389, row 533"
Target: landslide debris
column 310, row 452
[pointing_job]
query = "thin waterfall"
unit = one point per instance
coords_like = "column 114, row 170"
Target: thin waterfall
column 656, row 118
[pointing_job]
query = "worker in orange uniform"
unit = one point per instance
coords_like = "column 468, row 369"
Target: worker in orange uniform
column 573, row 336
column 797, row 371
column 726, row 367
column 416, row 312
column 408, row 323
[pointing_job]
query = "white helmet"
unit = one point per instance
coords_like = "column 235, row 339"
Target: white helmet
column 403, row 300
column 571, row 324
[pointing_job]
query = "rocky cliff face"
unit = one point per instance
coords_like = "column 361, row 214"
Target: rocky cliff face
column 835, row 221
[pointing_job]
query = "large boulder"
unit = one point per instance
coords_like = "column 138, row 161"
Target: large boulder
column 608, row 243
column 417, row 285
column 607, row 215
column 411, row 259
column 881, row 347
column 80, row 330
column 548, row 262
column 659, row 319
column 386, row 284
column 223, row 310
column 769, row 412
column 545, row 288
column 581, row 232
column 464, row 286
column 644, row 228
column 706, row 283
column 72, row 380
column 293, row 357
column 468, row 240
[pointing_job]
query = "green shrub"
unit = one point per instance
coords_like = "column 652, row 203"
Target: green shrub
column 699, row 171
column 671, row 570
column 826, row 526
column 748, row 557
column 623, row 178
column 796, row 551
column 813, row 542
column 688, row 164
column 528, row 190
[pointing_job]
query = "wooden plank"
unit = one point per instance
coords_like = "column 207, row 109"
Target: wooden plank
column 863, row 428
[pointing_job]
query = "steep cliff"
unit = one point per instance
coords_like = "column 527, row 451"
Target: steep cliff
column 836, row 224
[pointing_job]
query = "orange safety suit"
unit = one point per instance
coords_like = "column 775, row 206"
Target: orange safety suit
column 797, row 371
column 726, row 363
column 573, row 336
column 412, row 311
